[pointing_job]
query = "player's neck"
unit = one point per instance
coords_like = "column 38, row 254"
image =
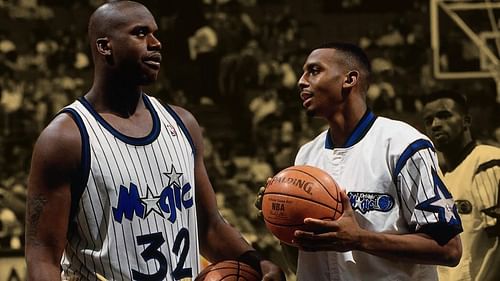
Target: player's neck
column 119, row 100
column 343, row 123
column 456, row 152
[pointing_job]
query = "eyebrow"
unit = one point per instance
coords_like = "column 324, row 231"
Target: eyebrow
column 311, row 65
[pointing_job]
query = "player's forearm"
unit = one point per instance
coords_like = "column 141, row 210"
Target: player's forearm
column 41, row 270
column 413, row 248
column 222, row 241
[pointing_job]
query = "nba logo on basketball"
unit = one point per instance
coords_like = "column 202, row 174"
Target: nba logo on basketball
column 171, row 130
column 278, row 209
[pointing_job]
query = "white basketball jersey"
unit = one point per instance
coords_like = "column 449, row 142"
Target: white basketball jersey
column 390, row 173
column 133, row 213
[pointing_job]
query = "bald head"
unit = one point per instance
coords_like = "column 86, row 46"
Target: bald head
column 110, row 16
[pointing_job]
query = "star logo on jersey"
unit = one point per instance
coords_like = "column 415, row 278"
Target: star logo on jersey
column 173, row 176
column 442, row 203
column 151, row 203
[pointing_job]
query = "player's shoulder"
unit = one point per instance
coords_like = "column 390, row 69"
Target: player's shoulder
column 60, row 142
column 397, row 133
column 398, row 137
column 187, row 118
column 486, row 156
column 184, row 115
column 392, row 128
column 488, row 150
column 62, row 129
column 190, row 123
column 314, row 145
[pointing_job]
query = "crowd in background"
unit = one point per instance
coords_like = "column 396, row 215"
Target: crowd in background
column 234, row 64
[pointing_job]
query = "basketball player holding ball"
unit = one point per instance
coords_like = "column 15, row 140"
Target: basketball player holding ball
column 117, row 188
column 399, row 220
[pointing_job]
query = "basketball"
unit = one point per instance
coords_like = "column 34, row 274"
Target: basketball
column 229, row 271
column 296, row 193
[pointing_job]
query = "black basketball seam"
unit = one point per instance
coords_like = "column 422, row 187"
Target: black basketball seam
column 231, row 265
column 318, row 203
column 293, row 225
column 300, row 197
column 324, row 187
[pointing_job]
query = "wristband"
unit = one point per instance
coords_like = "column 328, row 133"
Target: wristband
column 252, row 258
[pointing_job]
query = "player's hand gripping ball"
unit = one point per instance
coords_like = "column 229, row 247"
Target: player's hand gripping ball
column 296, row 193
column 229, row 270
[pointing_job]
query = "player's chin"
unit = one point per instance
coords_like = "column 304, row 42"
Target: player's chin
column 440, row 143
column 311, row 112
column 148, row 79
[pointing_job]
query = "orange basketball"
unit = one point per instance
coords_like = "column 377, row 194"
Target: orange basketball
column 296, row 193
column 229, row 271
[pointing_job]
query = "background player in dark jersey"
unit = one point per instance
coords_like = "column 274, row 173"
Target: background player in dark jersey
column 112, row 206
column 472, row 174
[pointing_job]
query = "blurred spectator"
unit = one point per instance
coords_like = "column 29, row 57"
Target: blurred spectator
column 263, row 105
column 12, row 211
column 260, row 169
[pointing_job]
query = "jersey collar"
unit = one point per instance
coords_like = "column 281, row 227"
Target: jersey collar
column 357, row 134
column 155, row 131
column 463, row 154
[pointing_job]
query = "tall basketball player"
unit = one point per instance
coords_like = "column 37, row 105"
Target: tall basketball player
column 118, row 189
column 399, row 220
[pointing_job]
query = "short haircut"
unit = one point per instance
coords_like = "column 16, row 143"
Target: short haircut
column 352, row 52
column 459, row 99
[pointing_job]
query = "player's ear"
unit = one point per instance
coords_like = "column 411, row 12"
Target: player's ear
column 351, row 79
column 467, row 121
column 103, row 46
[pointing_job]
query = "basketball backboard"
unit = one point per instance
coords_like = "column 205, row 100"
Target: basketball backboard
column 465, row 38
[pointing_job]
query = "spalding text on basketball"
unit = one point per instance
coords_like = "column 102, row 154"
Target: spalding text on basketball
column 302, row 184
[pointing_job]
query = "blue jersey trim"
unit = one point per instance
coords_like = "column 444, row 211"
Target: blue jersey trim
column 79, row 182
column 181, row 125
column 155, row 131
column 409, row 152
column 357, row 134
column 441, row 232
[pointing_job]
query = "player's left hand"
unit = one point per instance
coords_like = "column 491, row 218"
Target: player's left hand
column 258, row 199
column 271, row 272
column 341, row 235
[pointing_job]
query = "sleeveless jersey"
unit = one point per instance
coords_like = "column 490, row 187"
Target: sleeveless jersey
column 133, row 214
column 390, row 172
column 474, row 184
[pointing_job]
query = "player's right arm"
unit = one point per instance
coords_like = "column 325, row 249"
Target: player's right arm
column 55, row 160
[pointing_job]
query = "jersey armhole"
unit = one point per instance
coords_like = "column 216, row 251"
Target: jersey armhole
column 79, row 181
column 182, row 126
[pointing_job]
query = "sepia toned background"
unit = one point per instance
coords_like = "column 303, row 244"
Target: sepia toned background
column 234, row 64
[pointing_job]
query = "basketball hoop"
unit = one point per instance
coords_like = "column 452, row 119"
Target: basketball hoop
column 484, row 35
